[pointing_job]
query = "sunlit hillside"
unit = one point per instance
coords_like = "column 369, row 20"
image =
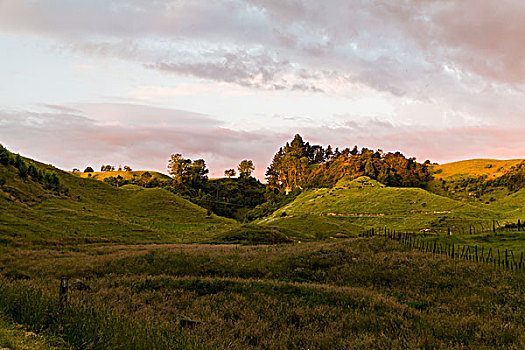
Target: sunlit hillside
column 126, row 175
column 492, row 168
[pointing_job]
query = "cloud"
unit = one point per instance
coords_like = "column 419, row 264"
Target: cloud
column 97, row 136
column 70, row 138
column 407, row 48
column 446, row 68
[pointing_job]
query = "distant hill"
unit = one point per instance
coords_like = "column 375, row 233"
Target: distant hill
column 356, row 205
column 492, row 168
column 126, row 175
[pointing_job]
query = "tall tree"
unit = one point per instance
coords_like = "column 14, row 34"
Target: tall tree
column 229, row 173
column 245, row 168
column 186, row 171
column 178, row 167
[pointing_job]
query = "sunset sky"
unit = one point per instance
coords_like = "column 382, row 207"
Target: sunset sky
column 131, row 82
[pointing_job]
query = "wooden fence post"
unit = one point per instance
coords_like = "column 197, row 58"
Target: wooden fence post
column 62, row 292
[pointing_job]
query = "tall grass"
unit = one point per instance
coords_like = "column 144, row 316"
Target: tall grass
column 355, row 294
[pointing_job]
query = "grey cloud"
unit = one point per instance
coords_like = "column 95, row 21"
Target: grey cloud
column 456, row 53
column 241, row 67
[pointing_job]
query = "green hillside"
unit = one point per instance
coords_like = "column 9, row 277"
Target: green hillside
column 86, row 210
column 353, row 206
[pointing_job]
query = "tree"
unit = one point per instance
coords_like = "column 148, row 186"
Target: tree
column 5, row 155
column 230, row 173
column 187, row 171
column 198, row 173
column 178, row 167
column 245, row 168
column 107, row 168
column 127, row 168
column 145, row 178
column 88, row 170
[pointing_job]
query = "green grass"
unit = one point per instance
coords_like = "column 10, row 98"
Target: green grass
column 363, row 203
column 15, row 336
column 492, row 168
column 95, row 212
column 500, row 240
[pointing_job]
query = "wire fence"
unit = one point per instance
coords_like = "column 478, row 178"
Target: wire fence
column 503, row 259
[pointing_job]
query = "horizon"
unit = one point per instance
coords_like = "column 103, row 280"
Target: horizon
column 233, row 80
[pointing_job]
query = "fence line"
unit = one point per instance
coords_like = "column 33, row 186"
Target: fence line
column 496, row 258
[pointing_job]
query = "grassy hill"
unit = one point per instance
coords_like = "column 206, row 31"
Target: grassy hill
column 126, row 175
column 363, row 203
column 463, row 181
column 92, row 211
column 492, row 168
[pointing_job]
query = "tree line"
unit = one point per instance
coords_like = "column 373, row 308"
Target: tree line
column 299, row 165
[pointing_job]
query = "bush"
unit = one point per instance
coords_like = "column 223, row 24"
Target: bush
column 5, row 155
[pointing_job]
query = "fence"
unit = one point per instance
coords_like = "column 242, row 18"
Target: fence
column 486, row 226
column 499, row 259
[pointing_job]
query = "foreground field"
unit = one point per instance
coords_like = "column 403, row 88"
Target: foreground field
column 355, row 293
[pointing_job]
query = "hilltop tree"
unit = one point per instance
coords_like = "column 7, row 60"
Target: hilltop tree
column 245, row 168
column 299, row 165
column 187, row 171
column 230, row 173
column 290, row 166
column 88, row 170
column 127, row 168
column 198, row 173
column 107, row 167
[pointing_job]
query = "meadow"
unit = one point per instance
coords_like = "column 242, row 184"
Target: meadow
column 359, row 293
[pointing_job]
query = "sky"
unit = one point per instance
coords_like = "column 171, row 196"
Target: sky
column 85, row 83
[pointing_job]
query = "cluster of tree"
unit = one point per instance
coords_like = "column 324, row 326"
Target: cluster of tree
column 107, row 167
column 245, row 168
column 28, row 170
column 146, row 179
column 225, row 197
column 233, row 198
column 187, row 172
column 301, row 165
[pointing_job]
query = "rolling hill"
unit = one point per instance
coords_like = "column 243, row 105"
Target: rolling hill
column 356, row 205
column 91, row 211
column 492, row 168
column 126, row 175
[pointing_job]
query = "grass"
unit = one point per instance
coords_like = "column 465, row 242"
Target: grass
column 363, row 203
column 15, row 336
column 492, row 168
column 95, row 212
column 500, row 240
column 358, row 294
